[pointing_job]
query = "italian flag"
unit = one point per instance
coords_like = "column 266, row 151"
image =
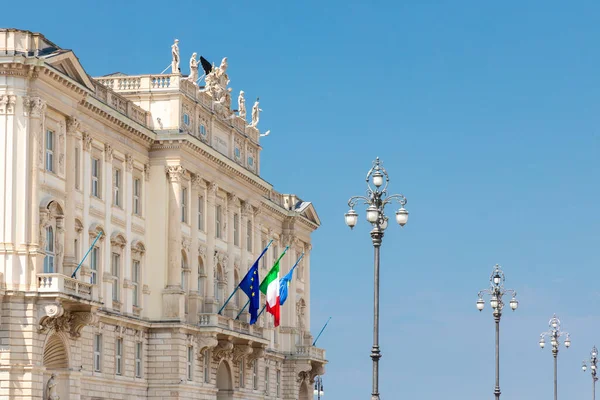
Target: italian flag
column 270, row 288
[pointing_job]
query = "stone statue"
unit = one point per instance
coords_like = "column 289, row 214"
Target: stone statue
column 51, row 391
column 242, row 105
column 175, row 54
column 193, row 69
column 255, row 114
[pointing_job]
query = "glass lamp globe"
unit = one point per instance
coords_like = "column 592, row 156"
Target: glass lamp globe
column 351, row 218
column 568, row 342
column 514, row 304
column 402, row 216
column 542, row 343
column 494, row 302
column 554, row 323
column 384, row 223
column 554, row 342
column 377, row 178
column 594, row 352
column 584, row 367
column 593, row 367
column 372, row 214
column 480, row 304
column 497, row 278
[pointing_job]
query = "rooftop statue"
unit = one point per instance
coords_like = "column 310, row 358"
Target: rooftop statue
column 255, row 114
column 242, row 105
column 175, row 55
column 193, row 69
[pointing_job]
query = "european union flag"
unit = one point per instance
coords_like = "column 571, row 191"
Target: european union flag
column 284, row 284
column 250, row 285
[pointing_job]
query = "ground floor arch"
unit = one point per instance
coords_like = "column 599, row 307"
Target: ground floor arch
column 224, row 382
column 56, row 363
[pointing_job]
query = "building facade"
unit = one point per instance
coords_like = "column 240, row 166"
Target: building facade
column 160, row 180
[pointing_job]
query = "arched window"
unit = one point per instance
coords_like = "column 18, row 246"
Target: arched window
column 49, row 259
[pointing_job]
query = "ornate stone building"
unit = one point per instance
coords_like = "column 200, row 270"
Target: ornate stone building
column 161, row 179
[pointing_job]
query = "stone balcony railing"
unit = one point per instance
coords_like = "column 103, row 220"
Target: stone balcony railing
column 58, row 283
column 121, row 104
column 310, row 352
column 220, row 321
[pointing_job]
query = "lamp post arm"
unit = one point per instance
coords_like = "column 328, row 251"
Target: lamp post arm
column 356, row 199
column 397, row 197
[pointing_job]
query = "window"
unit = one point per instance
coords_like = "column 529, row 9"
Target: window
column 49, row 151
column 137, row 186
column 96, row 177
column 242, row 373
column 255, row 375
column 115, row 267
column 264, row 259
column 267, row 379
column 236, row 229
column 237, row 153
column 49, row 259
column 200, row 213
column 190, row 363
column 206, row 366
column 249, row 236
column 218, row 222
column 250, row 161
column 278, row 383
column 97, row 352
column 119, row 356
column 94, row 265
column 136, row 283
column 117, row 187
column 184, row 205
column 202, row 130
column 138, row 359
column 77, row 168
column 186, row 119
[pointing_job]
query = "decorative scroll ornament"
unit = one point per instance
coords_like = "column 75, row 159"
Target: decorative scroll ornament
column 257, row 352
column 72, row 125
column 175, row 173
column 7, row 103
column 129, row 162
column 241, row 351
column 204, row 342
column 59, row 320
column 87, row 141
column 108, row 152
column 34, row 106
column 223, row 351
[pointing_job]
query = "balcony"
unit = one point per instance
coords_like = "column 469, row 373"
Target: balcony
column 310, row 352
column 228, row 324
column 62, row 284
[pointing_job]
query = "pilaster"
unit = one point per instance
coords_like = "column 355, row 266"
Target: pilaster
column 230, row 309
column 70, row 263
column 210, row 304
column 193, row 297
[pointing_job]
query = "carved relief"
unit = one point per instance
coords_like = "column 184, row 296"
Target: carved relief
column 213, row 188
column 175, row 173
column 108, row 152
column 241, row 351
column 87, row 141
column 147, row 172
column 186, row 243
column 129, row 162
column 56, row 318
column 257, row 352
column 196, row 181
column 7, row 103
column 34, row 106
column 223, row 351
column 204, row 342
column 202, row 250
column 72, row 125
column 246, row 209
column 61, row 147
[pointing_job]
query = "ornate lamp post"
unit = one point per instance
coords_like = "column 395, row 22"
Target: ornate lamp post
column 319, row 390
column 555, row 334
column 593, row 369
column 496, row 291
column 376, row 200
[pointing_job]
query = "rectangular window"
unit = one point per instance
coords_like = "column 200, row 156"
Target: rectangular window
column 94, row 265
column 255, row 375
column 190, row 363
column 49, row 258
column 115, row 268
column 77, row 167
column 218, row 232
column 119, row 356
column 275, row 253
column 97, row 353
column 184, row 205
column 137, row 186
column 117, row 187
column 264, row 259
column 267, row 380
column 136, row 283
column 236, row 229
column 206, row 366
column 278, row 383
column 138, row 359
column 242, row 373
column 200, row 213
column 249, row 236
column 49, row 151
column 96, row 177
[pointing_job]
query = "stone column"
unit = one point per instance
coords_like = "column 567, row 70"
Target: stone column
column 246, row 214
column 107, row 188
column 306, row 259
column 35, row 108
column 86, row 184
column 70, row 263
column 127, row 261
column 230, row 309
column 210, row 304
column 193, row 296
column 173, row 295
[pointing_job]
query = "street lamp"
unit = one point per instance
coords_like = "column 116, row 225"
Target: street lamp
column 319, row 390
column 496, row 291
column 376, row 200
column 555, row 334
column 593, row 369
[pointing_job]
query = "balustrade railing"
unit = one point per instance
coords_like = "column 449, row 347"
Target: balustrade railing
column 58, row 283
column 220, row 321
column 310, row 352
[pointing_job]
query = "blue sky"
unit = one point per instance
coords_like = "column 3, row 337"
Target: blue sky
column 486, row 116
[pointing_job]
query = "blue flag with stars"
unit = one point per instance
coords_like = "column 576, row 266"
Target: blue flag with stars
column 250, row 285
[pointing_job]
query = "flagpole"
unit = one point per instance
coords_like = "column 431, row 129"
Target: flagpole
column 319, row 335
column 279, row 259
column 238, row 286
column 86, row 254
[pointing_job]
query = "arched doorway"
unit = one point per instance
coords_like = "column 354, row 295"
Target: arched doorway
column 304, row 391
column 56, row 361
column 224, row 382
